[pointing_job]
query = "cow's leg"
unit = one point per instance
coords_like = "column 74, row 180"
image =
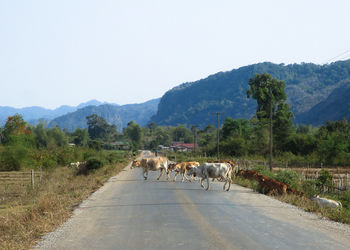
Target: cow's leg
column 177, row 173
column 229, row 182
column 145, row 171
column 201, row 181
column 161, row 173
column 168, row 174
column 207, row 183
column 184, row 176
column 191, row 179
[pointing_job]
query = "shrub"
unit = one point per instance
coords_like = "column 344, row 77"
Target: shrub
column 93, row 163
column 289, row 177
column 344, row 197
column 324, row 180
column 264, row 171
column 11, row 158
column 309, row 187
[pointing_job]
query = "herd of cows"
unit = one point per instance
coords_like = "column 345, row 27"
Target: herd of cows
column 222, row 170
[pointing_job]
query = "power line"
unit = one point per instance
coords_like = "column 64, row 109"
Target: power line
column 347, row 51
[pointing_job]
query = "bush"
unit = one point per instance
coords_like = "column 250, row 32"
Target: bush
column 289, row 177
column 11, row 158
column 93, row 163
column 309, row 188
column 344, row 197
column 94, row 144
column 324, row 180
column 264, row 171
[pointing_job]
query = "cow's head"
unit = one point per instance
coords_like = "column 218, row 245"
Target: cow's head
column 135, row 163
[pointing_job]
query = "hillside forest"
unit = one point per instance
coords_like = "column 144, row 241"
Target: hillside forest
column 27, row 146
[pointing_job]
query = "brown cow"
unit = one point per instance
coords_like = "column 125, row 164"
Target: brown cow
column 248, row 174
column 271, row 186
column 267, row 184
column 183, row 167
column 154, row 164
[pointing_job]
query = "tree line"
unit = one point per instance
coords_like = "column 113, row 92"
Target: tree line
column 270, row 130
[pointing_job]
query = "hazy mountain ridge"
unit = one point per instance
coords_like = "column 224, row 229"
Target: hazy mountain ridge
column 307, row 85
column 35, row 113
column 118, row 115
column 335, row 107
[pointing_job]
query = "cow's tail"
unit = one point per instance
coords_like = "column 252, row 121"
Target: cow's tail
column 229, row 172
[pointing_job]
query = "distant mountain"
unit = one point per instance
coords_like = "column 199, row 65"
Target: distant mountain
column 335, row 107
column 192, row 103
column 118, row 115
column 35, row 113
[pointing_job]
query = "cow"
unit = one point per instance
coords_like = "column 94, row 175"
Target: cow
column 154, row 164
column 248, row 174
column 233, row 164
column 271, row 186
column 183, row 167
column 213, row 170
column 78, row 164
column 324, row 202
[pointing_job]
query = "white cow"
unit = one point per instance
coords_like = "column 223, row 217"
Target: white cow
column 213, row 170
column 77, row 164
column 324, row 202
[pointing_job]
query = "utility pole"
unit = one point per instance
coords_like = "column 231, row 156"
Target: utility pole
column 194, row 130
column 218, row 129
column 270, row 128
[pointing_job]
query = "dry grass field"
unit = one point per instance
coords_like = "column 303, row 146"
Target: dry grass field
column 27, row 213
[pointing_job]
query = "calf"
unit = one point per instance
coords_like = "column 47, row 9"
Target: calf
column 324, row 202
column 213, row 170
column 183, row 167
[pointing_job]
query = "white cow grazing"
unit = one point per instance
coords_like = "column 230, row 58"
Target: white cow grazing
column 324, row 202
column 213, row 170
column 154, row 164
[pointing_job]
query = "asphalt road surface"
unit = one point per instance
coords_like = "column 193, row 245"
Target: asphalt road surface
column 131, row 213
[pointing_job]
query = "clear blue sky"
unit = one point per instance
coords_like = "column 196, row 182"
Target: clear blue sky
column 55, row 52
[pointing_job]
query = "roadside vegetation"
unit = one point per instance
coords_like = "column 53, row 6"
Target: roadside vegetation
column 27, row 212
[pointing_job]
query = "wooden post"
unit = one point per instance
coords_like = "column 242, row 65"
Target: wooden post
column 32, row 177
column 41, row 173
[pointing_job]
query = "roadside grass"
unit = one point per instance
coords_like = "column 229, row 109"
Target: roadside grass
column 30, row 213
column 339, row 215
column 293, row 179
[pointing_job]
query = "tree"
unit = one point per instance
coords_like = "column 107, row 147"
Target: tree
column 270, row 96
column 40, row 135
column 98, row 128
column 181, row 133
column 152, row 127
column 80, row 137
column 134, row 133
column 236, row 128
column 15, row 125
column 56, row 137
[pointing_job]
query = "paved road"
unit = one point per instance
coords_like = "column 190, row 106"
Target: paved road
column 130, row 213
